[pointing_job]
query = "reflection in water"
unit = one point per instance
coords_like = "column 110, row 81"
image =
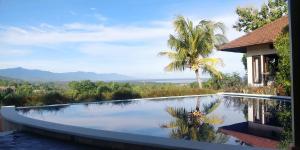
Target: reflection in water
column 43, row 109
column 268, row 122
column 123, row 102
column 230, row 120
column 197, row 124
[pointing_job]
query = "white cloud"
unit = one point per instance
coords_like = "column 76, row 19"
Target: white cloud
column 77, row 32
column 100, row 17
column 128, row 49
column 14, row 52
column 82, row 26
column 229, row 21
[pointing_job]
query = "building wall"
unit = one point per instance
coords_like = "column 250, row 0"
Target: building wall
column 254, row 51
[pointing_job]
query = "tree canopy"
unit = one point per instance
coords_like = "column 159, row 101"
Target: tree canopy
column 192, row 44
column 252, row 18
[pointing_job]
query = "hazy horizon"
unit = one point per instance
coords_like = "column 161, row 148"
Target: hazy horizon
column 105, row 36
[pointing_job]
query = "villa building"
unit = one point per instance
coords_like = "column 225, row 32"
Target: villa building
column 261, row 56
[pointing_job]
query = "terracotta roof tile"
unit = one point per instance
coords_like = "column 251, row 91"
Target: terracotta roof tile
column 263, row 35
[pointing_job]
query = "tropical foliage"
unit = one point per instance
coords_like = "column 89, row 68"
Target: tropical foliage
column 192, row 45
column 283, row 76
column 24, row 93
column 251, row 18
column 227, row 81
column 196, row 125
column 235, row 83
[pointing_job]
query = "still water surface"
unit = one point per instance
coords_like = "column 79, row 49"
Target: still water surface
column 216, row 119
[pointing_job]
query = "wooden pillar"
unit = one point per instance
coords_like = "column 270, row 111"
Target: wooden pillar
column 294, row 27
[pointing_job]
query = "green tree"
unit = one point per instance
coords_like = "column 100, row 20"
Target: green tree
column 283, row 76
column 192, row 46
column 251, row 18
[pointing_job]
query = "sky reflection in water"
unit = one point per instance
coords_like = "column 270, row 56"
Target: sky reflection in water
column 150, row 117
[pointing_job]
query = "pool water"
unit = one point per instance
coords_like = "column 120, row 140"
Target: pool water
column 27, row 141
column 217, row 119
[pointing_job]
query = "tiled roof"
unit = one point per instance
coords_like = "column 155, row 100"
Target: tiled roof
column 263, row 35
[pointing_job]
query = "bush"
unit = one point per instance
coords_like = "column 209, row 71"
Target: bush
column 125, row 93
column 283, row 77
column 12, row 99
column 228, row 81
column 53, row 98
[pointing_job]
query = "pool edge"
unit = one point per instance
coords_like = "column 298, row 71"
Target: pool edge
column 106, row 139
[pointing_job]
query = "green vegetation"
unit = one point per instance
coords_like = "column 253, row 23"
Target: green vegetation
column 235, row 83
column 251, row 18
column 228, row 81
column 284, row 116
column 28, row 94
column 192, row 46
column 283, row 77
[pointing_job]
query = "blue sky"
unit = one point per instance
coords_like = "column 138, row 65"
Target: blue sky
column 110, row 36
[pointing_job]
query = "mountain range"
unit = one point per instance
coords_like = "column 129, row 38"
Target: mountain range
column 40, row 75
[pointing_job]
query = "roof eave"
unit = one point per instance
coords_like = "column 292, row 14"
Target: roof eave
column 235, row 49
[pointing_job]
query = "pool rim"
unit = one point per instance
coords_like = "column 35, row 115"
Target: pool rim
column 260, row 96
column 12, row 118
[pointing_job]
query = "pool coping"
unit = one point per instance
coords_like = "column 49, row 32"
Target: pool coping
column 109, row 101
column 111, row 139
column 262, row 96
column 255, row 96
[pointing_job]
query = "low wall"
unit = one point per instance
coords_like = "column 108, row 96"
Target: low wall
column 101, row 138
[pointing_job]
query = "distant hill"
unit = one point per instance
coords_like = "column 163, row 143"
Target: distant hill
column 39, row 75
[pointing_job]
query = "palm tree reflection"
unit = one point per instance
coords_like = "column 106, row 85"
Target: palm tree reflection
column 196, row 125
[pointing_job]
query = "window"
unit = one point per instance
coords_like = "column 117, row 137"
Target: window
column 256, row 69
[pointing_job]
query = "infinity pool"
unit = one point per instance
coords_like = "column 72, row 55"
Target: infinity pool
column 217, row 119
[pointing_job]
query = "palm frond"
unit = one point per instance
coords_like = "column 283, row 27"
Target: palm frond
column 213, row 120
column 210, row 61
column 181, row 26
column 220, row 39
column 176, row 43
column 169, row 54
column 175, row 66
column 212, row 70
column 209, row 108
column 171, row 124
column 177, row 112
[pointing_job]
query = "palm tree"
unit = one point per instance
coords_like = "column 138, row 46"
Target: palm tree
column 192, row 45
column 199, row 128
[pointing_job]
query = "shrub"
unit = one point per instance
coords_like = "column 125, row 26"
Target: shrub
column 53, row 98
column 228, row 81
column 283, row 77
column 125, row 93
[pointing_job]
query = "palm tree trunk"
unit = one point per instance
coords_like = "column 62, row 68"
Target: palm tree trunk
column 198, row 102
column 198, row 78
